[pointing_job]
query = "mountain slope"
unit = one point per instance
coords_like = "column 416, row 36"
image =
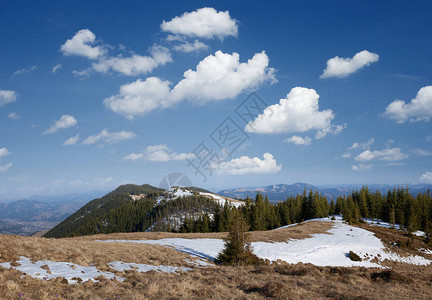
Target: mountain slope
column 100, row 206
column 132, row 208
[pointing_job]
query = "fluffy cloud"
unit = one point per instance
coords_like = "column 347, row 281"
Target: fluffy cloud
column 140, row 97
column 419, row 109
column 71, row 141
column 298, row 140
column 361, row 167
column 298, row 112
column 389, row 154
column 190, row 47
column 217, row 77
column 203, row 23
column 109, row 137
column 222, row 76
column 64, row 122
column 421, row 152
column 7, row 96
column 4, row 168
column 135, row 64
column 81, row 44
column 13, row 116
column 159, row 153
column 4, row 152
column 246, row 165
column 24, row 71
column 342, row 67
column 426, row 177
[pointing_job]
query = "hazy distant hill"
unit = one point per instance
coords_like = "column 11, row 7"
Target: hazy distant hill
column 280, row 192
column 24, row 217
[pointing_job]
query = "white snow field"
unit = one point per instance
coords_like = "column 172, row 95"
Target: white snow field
column 59, row 269
column 121, row 266
column 323, row 249
column 71, row 272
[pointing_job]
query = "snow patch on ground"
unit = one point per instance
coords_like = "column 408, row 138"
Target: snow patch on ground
column 324, row 249
column 67, row 270
column 198, row 262
column 174, row 193
column 143, row 268
column 71, row 272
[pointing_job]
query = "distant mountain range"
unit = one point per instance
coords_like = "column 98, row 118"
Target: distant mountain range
column 280, row 192
column 38, row 213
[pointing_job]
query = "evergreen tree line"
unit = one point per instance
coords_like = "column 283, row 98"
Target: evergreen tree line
column 398, row 206
column 138, row 216
column 260, row 214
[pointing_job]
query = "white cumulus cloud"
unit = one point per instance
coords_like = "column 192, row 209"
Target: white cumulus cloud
column 71, row 141
column 4, row 152
column 7, row 96
column 342, row 67
column 64, row 122
column 419, row 109
column 426, row 177
column 298, row 140
column 222, row 76
column 298, row 112
column 81, row 44
column 190, row 47
column 217, row 77
column 246, row 165
column 159, row 153
column 389, row 154
column 4, row 168
column 205, row 22
column 109, row 137
column 140, row 97
column 133, row 65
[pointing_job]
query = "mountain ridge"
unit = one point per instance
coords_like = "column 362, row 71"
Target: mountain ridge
column 280, row 192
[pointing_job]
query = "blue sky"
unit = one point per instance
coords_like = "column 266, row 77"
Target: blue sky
column 109, row 77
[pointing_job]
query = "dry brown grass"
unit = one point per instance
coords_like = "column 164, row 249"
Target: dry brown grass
column 301, row 231
column 276, row 281
column 280, row 281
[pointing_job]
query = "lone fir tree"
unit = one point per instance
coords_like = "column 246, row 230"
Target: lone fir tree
column 238, row 249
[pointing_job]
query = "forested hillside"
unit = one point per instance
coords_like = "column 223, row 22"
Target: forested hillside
column 101, row 206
